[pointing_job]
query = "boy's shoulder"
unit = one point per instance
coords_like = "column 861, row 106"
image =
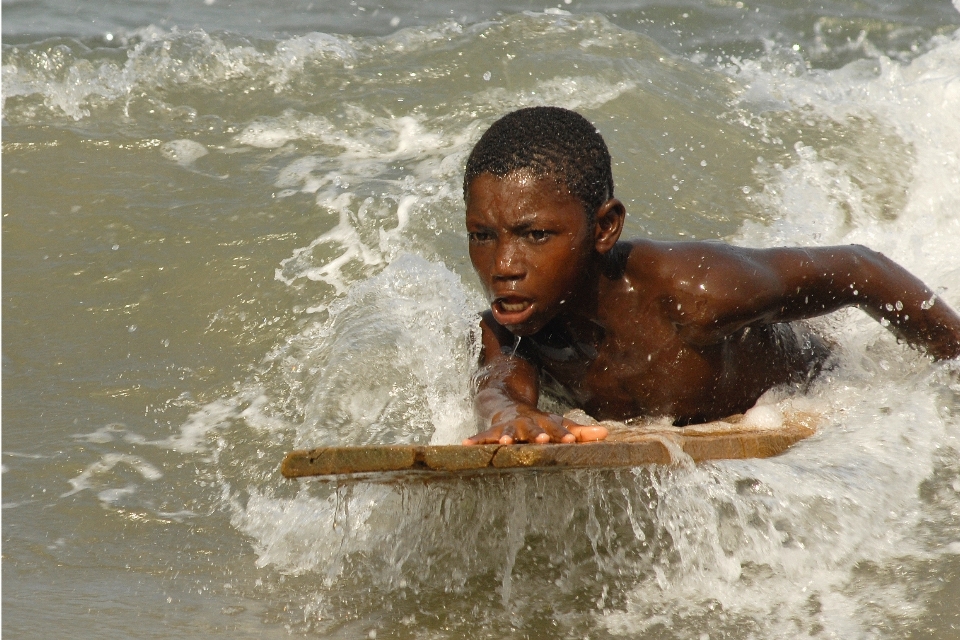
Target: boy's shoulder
column 661, row 259
column 693, row 273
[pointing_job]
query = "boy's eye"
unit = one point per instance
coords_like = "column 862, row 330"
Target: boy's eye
column 479, row 236
column 537, row 235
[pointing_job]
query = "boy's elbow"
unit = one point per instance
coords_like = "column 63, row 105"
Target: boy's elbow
column 869, row 260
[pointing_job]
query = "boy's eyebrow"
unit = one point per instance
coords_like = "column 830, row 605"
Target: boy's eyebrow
column 524, row 221
column 524, row 224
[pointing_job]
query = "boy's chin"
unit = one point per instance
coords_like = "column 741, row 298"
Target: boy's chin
column 527, row 327
column 522, row 330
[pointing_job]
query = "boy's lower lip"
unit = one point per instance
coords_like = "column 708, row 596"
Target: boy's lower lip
column 511, row 312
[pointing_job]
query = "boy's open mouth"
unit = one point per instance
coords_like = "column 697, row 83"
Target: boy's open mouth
column 511, row 311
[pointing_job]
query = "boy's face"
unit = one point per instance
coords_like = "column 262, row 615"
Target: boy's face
column 531, row 245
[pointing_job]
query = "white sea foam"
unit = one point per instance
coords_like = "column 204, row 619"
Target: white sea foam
column 194, row 434
column 368, row 234
column 394, row 360
column 183, row 152
column 86, row 479
column 577, row 92
column 71, row 81
column 70, row 84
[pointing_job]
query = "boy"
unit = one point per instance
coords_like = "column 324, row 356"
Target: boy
column 691, row 330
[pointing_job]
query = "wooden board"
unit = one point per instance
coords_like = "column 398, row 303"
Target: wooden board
column 626, row 446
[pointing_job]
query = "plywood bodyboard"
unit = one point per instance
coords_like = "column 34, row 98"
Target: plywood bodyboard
column 625, row 446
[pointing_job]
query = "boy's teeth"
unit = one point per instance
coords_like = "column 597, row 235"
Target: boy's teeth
column 513, row 307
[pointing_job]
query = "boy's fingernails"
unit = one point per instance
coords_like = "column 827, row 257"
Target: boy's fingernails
column 591, row 434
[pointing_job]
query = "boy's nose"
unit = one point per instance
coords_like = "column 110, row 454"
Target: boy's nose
column 508, row 264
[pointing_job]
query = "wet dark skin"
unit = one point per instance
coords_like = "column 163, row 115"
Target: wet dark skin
column 690, row 330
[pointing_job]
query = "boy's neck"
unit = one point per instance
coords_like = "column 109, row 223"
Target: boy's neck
column 582, row 323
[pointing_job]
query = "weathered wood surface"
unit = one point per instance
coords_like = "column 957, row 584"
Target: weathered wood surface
column 626, row 446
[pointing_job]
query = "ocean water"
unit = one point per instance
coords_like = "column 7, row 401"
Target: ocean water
column 231, row 229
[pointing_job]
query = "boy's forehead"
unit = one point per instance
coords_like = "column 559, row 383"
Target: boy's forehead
column 520, row 186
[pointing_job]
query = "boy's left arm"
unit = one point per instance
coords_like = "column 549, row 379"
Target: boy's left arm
column 891, row 294
column 745, row 286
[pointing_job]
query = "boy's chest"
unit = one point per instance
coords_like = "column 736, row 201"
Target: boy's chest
column 627, row 366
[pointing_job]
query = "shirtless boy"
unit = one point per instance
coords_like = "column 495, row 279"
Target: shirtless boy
column 691, row 330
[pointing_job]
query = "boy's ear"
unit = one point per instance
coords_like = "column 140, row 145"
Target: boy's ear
column 608, row 225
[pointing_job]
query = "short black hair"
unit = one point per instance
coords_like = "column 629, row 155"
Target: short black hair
column 549, row 141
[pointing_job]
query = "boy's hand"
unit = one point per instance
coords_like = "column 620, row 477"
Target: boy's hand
column 524, row 424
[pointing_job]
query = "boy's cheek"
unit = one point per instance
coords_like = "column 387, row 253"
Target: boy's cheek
column 477, row 260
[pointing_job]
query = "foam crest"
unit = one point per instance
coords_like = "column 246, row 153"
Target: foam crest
column 570, row 92
column 371, row 231
column 71, row 79
column 106, row 464
column 823, row 189
column 766, row 540
column 394, row 360
column 892, row 185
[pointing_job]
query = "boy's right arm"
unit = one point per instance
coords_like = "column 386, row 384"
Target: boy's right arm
column 507, row 395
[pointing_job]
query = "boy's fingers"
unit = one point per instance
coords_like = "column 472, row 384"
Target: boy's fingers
column 490, row 436
column 553, row 429
column 530, row 429
column 586, row 433
column 498, row 434
column 540, row 429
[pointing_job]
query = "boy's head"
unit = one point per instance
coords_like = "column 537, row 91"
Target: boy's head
column 549, row 142
column 540, row 215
